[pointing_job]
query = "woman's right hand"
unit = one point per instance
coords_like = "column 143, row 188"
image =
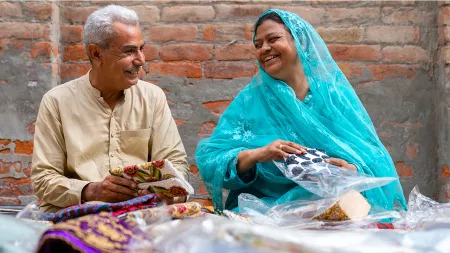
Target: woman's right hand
column 277, row 150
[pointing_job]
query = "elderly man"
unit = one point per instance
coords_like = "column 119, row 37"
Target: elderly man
column 105, row 119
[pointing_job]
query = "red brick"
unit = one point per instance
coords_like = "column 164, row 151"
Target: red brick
column 407, row 54
column 248, row 31
column 392, row 34
column 27, row 170
column 229, row 70
column 147, row 13
column 38, row 10
column 6, row 201
column 191, row 52
column 445, row 54
column 180, row 69
column 71, row 33
column 444, row 16
column 22, row 30
column 275, row 1
column 380, row 72
column 41, row 49
column 179, row 122
column 406, row 125
column 3, row 45
column 216, row 108
column 341, row 35
column 18, row 44
column 403, row 170
column 172, row 32
column 175, row 1
column 355, row 52
column 151, row 52
column 236, row 12
column 235, row 52
column 188, row 13
column 77, row 14
column 346, row 16
column 353, row 3
column 31, row 128
column 23, row 148
column 73, row 70
column 397, row 15
column 4, row 146
column 314, row 16
column 351, row 69
column 445, row 172
column 75, row 53
column 207, row 128
column 412, row 149
column 229, row 32
column 193, row 169
column 10, row 10
column 12, row 187
column 446, row 34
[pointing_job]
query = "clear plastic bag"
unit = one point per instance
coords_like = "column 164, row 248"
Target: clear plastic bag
column 327, row 180
column 31, row 212
column 423, row 212
column 302, row 213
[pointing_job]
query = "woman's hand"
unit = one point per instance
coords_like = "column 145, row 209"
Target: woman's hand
column 341, row 163
column 277, row 150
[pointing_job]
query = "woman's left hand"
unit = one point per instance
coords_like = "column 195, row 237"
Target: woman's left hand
column 341, row 163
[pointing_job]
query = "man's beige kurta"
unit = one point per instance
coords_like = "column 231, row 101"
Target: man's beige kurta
column 79, row 138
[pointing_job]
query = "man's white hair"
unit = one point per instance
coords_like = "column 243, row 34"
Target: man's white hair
column 98, row 28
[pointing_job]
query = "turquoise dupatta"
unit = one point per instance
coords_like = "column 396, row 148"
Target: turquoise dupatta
column 331, row 118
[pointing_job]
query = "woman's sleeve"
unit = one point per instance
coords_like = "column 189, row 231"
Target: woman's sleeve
column 233, row 181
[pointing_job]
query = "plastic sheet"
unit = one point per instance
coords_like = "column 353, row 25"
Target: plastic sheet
column 19, row 236
column 327, row 180
column 220, row 235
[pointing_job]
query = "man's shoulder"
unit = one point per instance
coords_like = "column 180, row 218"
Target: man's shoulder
column 148, row 89
column 63, row 90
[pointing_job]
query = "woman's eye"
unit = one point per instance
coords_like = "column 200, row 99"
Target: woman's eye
column 271, row 40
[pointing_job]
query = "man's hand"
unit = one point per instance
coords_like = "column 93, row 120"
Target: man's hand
column 164, row 198
column 112, row 189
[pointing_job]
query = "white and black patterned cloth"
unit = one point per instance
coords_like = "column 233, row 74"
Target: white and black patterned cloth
column 308, row 166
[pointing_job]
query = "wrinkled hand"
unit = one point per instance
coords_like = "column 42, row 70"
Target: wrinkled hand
column 277, row 150
column 111, row 189
column 341, row 163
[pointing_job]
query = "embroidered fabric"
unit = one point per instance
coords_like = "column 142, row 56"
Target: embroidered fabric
column 156, row 176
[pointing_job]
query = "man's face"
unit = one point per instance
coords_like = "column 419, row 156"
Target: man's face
column 122, row 60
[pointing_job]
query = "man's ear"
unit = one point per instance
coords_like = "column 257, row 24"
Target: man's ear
column 95, row 53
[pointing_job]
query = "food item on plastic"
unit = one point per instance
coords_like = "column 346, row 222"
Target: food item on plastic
column 351, row 206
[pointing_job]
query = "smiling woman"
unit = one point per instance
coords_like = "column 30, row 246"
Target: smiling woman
column 299, row 98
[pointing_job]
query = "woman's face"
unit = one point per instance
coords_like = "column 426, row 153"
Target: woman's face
column 275, row 50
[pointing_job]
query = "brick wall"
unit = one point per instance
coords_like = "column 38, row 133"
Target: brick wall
column 200, row 53
column 442, row 96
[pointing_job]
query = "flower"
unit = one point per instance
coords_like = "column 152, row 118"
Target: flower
column 158, row 164
column 131, row 170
